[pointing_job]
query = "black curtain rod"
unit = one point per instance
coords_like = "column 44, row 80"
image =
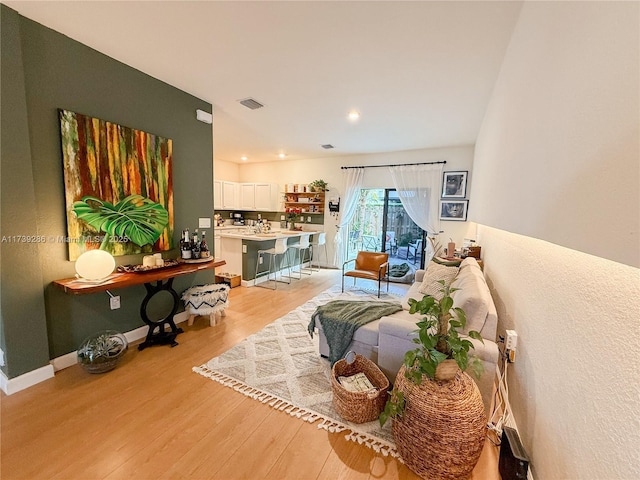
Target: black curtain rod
column 396, row 165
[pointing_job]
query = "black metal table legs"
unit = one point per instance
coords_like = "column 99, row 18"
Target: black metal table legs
column 162, row 336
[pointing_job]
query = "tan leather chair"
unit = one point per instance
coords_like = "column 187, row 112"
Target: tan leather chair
column 369, row 265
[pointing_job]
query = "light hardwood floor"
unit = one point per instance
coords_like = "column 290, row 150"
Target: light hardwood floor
column 153, row 418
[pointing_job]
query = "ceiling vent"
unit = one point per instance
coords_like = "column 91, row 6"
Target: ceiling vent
column 327, row 146
column 251, row 103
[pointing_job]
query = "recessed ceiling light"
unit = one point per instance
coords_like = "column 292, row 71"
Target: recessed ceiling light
column 353, row 115
column 244, row 158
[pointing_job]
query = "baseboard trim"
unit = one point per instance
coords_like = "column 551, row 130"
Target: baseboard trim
column 13, row 385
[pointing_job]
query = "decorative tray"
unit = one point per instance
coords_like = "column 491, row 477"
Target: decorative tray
column 197, row 260
column 143, row 269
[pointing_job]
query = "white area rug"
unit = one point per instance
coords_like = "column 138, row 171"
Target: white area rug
column 280, row 366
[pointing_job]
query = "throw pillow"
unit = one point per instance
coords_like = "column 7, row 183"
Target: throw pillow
column 435, row 272
column 473, row 297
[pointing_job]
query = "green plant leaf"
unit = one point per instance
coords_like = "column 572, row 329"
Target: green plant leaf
column 476, row 335
column 136, row 217
column 446, row 303
column 455, row 323
column 477, row 367
column 410, row 358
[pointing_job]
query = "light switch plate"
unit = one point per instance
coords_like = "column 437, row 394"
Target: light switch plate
column 204, row 222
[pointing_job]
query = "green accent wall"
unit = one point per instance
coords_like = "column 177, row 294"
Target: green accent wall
column 43, row 71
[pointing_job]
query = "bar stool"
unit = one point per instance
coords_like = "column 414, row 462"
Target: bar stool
column 279, row 249
column 302, row 245
column 319, row 240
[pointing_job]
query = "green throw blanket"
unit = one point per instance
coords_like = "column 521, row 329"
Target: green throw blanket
column 399, row 270
column 341, row 318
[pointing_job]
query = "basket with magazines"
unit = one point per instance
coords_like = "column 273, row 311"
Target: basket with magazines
column 359, row 388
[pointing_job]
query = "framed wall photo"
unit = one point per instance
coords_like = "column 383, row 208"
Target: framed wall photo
column 454, row 184
column 455, row 210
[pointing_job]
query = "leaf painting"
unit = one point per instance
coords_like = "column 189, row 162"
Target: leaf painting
column 135, row 218
column 118, row 187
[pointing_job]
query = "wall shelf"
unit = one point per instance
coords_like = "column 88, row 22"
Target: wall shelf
column 310, row 202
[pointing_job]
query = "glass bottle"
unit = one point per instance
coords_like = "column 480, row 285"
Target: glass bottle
column 195, row 246
column 185, row 245
column 204, row 248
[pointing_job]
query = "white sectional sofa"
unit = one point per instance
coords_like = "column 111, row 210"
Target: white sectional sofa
column 385, row 341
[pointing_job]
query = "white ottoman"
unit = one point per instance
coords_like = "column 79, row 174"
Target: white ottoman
column 206, row 300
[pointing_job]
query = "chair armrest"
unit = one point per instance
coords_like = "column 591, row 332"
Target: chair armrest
column 384, row 265
column 345, row 263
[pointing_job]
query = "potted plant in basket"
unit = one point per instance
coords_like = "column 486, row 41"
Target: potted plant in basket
column 432, row 401
column 441, row 352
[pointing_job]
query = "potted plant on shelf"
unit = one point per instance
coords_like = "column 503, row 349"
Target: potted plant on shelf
column 318, row 186
column 435, row 406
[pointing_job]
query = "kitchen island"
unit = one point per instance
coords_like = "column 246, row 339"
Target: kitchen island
column 240, row 248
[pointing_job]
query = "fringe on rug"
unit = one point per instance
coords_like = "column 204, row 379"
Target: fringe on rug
column 328, row 424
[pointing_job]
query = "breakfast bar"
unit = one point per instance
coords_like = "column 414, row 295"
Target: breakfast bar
column 240, row 249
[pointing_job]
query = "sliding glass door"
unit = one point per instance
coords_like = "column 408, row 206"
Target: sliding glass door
column 381, row 224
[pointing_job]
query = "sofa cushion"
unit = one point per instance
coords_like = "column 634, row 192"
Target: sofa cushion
column 473, row 297
column 470, row 262
column 412, row 293
column 435, row 272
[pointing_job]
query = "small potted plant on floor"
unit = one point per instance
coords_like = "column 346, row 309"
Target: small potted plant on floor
column 437, row 407
column 101, row 352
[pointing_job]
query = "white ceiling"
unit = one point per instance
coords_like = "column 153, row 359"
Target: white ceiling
column 420, row 73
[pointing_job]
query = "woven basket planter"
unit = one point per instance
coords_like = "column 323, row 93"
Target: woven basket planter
column 442, row 431
column 359, row 407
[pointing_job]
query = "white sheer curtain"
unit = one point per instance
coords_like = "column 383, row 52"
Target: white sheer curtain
column 348, row 205
column 418, row 187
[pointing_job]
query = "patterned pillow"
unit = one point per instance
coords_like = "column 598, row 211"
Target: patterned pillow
column 435, row 272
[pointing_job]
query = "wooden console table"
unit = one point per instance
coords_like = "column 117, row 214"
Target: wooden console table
column 164, row 282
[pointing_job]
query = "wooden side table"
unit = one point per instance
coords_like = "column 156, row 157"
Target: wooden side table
column 163, row 278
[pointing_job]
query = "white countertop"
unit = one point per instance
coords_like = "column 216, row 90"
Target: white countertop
column 261, row 237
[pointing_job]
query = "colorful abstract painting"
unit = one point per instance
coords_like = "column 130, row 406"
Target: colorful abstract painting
column 118, row 187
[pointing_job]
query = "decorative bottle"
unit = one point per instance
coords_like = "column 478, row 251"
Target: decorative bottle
column 185, row 245
column 204, row 248
column 195, row 246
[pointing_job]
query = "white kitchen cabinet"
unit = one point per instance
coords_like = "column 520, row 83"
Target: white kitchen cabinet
column 247, row 196
column 262, row 197
column 230, row 194
column 217, row 195
column 266, row 197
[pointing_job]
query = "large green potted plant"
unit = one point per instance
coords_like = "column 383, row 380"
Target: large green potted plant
column 436, row 407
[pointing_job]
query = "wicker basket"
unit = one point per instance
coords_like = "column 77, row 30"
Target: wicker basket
column 359, row 407
column 442, row 432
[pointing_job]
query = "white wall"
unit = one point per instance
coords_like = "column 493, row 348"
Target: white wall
column 557, row 156
column 557, row 160
column 228, row 171
column 328, row 169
